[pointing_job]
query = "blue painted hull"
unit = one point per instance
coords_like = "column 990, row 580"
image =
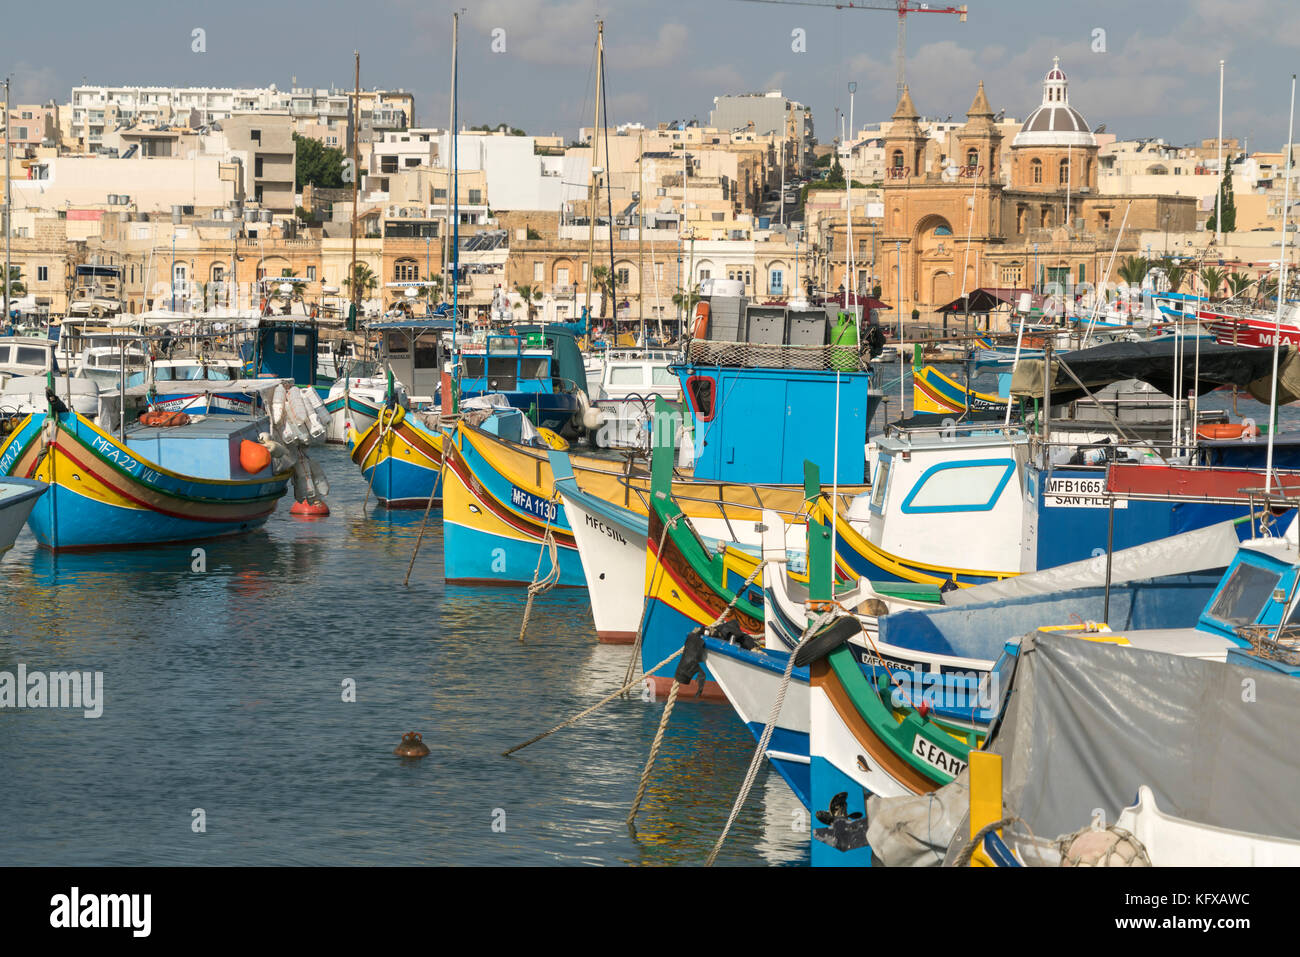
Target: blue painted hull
column 473, row 555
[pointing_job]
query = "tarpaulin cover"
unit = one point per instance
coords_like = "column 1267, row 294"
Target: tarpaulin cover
column 1211, row 547
column 1153, row 362
column 1088, row 723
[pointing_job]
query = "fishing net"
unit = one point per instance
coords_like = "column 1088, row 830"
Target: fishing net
column 709, row 352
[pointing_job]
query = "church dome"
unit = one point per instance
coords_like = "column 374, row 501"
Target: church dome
column 1055, row 122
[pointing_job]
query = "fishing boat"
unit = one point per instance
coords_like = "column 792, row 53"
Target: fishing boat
column 932, row 391
column 18, row 497
column 401, row 457
column 179, row 479
column 412, row 353
column 538, row 369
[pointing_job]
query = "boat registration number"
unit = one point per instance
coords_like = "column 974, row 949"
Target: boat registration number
column 1078, row 493
column 533, row 504
column 937, row 757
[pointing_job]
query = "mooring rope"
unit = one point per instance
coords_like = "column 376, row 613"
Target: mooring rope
column 378, row 446
column 552, row 577
column 761, row 751
column 640, row 628
column 582, row 714
column 672, row 697
column 423, row 522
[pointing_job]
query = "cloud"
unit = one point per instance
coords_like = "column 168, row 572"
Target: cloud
column 31, row 84
column 663, row 52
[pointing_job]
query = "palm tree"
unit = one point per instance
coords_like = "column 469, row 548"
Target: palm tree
column 1238, row 283
column 603, row 282
column 295, row 292
column 16, row 285
column 364, row 277
column 531, row 296
column 1212, row 278
column 1133, row 270
column 1268, row 288
column 1174, row 273
column 686, row 302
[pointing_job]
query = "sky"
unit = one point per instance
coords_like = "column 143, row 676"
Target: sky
column 1144, row 69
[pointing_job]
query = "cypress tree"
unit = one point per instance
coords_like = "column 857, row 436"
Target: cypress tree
column 1228, row 205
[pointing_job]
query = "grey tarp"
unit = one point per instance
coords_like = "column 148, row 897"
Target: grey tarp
column 1154, row 362
column 915, row 830
column 1088, row 723
column 1211, row 547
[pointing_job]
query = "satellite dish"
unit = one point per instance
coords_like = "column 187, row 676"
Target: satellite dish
column 286, row 287
column 411, row 292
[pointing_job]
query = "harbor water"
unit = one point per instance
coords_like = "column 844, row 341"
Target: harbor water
column 225, row 736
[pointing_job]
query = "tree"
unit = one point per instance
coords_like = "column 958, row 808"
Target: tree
column 499, row 128
column 1268, row 288
column 823, row 161
column 1212, row 278
column 17, row 287
column 1238, row 283
column 317, row 164
column 1133, row 270
column 1174, row 273
column 531, row 295
column 1228, row 204
column 836, row 176
column 686, row 301
column 364, row 277
column 604, row 282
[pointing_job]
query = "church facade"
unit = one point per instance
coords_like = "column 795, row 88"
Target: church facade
column 952, row 225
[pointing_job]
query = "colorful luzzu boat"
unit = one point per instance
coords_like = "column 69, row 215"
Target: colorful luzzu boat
column 401, row 458
column 152, row 485
column 932, row 391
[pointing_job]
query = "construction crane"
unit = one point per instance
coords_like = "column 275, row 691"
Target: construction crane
column 901, row 7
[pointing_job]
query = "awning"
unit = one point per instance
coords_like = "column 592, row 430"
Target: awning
column 988, row 298
column 1153, row 362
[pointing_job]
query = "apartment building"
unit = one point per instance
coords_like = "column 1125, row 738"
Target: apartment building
column 264, row 142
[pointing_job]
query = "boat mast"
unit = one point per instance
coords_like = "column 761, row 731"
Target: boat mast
column 356, row 178
column 1281, row 294
column 9, row 202
column 454, row 142
column 593, row 193
column 640, row 232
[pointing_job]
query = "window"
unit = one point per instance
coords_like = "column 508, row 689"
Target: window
column 775, row 282
column 622, row 275
column 626, row 375
column 311, row 273
column 1036, row 169
column 257, row 167
column 412, row 161
column 1244, row 595
column 539, row 271
column 476, row 197
column 972, row 486
column 1011, row 276
column 406, row 270
column 42, row 273
column 388, row 164
column 898, row 159
column 300, row 344
column 881, row 483
column 218, row 273
column 1045, row 219
column 1065, row 172
column 255, row 136
column 1105, row 219
column 702, row 392
column 1022, row 218
column 705, row 274
column 439, row 194
column 972, row 158
column 659, row 272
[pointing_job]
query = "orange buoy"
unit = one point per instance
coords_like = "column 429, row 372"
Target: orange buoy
column 1229, row 430
column 309, row 509
column 700, row 328
column 157, row 419
column 412, row 746
column 254, row 456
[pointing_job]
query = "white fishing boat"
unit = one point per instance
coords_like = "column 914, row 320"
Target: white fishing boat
column 17, row 499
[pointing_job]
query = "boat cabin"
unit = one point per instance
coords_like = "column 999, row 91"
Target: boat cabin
column 284, row 349
column 22, row 356
column 413, row 349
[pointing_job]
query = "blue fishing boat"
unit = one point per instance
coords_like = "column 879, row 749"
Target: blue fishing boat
column 162, row 478
column 538, row 370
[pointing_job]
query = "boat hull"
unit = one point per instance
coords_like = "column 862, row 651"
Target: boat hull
column 18, row 497
column 349, row 413
column 401, row 460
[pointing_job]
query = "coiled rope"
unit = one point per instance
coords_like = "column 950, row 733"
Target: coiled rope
column 761, row 751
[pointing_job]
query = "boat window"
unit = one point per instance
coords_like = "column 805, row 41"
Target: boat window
column 534, row 367
column 972, row 486
column 426, row 352
column 703, row 393
column 503, row 372
column 1244, row 595
column 396, row 343
column 281, row 341
column 626, row 375
column 473, row 367
column 30, row 356
column 220, row 373
column 664, row 376
column 300, row 345
column 188, row 373
column 882, row 480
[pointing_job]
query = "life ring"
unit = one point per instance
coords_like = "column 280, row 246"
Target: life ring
column 700, row 326
column 1227, row 430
